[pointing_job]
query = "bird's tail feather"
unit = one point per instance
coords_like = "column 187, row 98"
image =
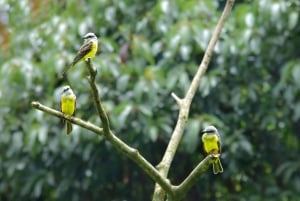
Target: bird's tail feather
column 67, row 68
column 217, row 166
column 69, row 128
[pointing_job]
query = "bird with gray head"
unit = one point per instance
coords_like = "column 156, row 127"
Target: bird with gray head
column 87, row 51
column 212, row 145
column 68, row 105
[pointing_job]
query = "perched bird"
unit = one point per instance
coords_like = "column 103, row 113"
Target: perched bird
column 68, row 105
column 87, row 51
column 211, row 145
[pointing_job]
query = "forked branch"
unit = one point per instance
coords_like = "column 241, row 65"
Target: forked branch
column 184, row 104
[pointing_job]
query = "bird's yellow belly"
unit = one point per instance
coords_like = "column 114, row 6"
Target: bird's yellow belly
column 211, row 145
column 68, row 106
column 92, row 53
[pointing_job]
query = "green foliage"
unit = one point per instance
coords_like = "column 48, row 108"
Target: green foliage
column 251, row 93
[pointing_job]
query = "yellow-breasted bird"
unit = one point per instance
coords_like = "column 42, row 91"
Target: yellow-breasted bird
column 87, row 51
column 68, row 105
column 212, row 145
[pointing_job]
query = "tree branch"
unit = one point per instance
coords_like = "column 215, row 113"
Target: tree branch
column 185, row 103
column 141, row 161
column 101, row 112
column 194, row 176
column 72, row 119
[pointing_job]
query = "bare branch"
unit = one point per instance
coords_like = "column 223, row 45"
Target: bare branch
column 184, row 107
column 101, row 112
column 72, row 119
column 177, row 99
column 141, row 161
column 194, row 176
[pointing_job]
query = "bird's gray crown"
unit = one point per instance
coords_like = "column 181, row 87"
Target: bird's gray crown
column 209, row 129
column 89, row 36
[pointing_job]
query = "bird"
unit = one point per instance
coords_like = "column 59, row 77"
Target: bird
column 212, row 145
column 68, row 105
column 87, row 51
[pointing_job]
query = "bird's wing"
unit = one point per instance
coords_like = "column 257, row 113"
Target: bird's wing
column 84, row 49
column 219, row 145
column 74, row 108
column 62, row 120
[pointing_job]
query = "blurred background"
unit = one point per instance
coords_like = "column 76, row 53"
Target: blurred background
column 251, row 93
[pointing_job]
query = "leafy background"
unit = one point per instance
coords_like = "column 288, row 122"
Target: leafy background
column 149, row 49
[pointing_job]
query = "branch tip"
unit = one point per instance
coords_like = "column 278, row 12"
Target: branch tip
column 177, row 99
column 35, row 104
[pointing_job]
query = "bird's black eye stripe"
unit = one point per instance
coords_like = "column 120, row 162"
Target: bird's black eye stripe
column 90, row 36
column 66, row 89
column 207, row 131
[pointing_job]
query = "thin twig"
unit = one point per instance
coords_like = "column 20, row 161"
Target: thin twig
column 177, row 99
column 72, row 119
column 100, row 109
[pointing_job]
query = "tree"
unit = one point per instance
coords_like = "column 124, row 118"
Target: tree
column 249, row 92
